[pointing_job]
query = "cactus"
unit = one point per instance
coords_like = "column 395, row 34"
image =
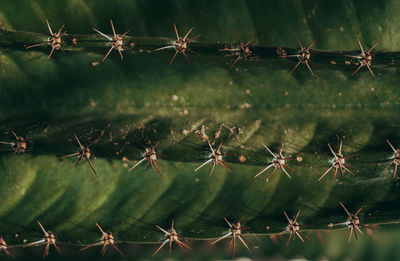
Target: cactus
column 241, row 105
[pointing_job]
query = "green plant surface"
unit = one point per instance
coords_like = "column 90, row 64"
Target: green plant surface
column 130, row 104
column 331, row 245
column 71, row 200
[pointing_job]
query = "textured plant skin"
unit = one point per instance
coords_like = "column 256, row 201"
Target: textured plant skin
column 304, row 130
column 73, row 43
column 193, row 199
column 134, row 103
